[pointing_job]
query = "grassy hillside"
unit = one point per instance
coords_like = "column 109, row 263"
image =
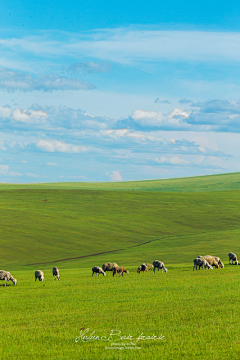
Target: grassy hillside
column 220, row 182
column 75, row 223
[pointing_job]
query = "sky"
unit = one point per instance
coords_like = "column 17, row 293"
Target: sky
column 118, row 91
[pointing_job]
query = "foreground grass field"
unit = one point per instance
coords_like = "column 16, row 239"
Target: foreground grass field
column 76, row 229
column 196, row 312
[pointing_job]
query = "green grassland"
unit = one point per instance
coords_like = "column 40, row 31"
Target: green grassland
column 82, row 225
column 196, row 312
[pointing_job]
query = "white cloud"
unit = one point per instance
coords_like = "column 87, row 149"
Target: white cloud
column 2, row 147
column 32, row 175
column 21, row 115
column 93, row 124
column 122, row 156
column 12, row 173
column 153, row 138
column 16, row 80
column 132, row 134
column 125, row 45
column 179, row 112
column 5, row 112
column 38, row 114
column 137, row 135
column 116, row 176
column 51, row 163
column 24, row 162
column 90, row 67
column 175, row 160
column 204, row 142
column 212, row 161
column 56, row 145
column 12, row 144
column 107, row 132
column 172, row 141
column 4, row 168
column 202, row 149
column 60, row 116
column 114, row 133
column 75, row 177
column 162, row 159
column 143, row 114
column 233, row 116
column 48, row 145
column 121, row 132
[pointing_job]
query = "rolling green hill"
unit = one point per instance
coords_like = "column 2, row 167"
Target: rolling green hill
column 220, row 182
column 41, row 226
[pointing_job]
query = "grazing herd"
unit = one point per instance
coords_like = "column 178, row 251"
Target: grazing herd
column 119, row 270
column 116, row 270
column 40, row 275
column 204, row 262
column 156, row 264
column 5, row 275
column 209, row 262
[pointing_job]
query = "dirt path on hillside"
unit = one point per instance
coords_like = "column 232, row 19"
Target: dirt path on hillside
column 85, row 256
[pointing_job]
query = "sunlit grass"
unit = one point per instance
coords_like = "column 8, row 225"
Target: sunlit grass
column 196, row 312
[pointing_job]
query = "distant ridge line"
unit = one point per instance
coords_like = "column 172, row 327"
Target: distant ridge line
column 201, row 183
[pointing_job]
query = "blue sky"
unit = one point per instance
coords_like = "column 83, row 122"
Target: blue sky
column 111, row 91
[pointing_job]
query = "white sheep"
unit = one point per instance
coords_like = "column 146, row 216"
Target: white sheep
column 39, row 275
column 55, row 272
column 220, row 263
column 159, row 265
column 98, row 271
column 212, row 260
column 218, row 260
column 201, row 262
column 5, row 275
